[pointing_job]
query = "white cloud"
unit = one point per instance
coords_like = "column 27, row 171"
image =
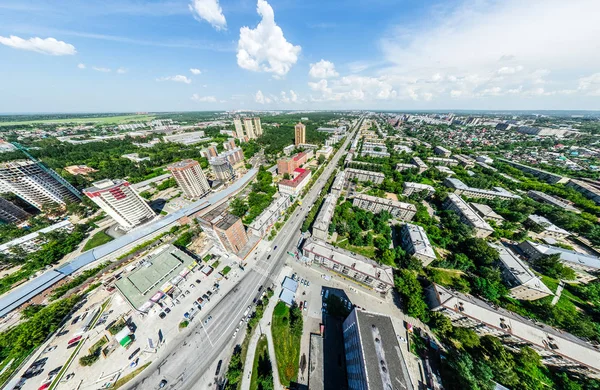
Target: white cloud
column 210, row 11
column 510, row 70
column 101, row 69
column 590, row 85
column 204, row 99
column 262, row 99
column 292, row 98
column 49, row 46
column 178, row 79
column 322, row 70
column 319, row 86
column 121, row 70
column 265, row 47
column 195, row 71
column 81, row 66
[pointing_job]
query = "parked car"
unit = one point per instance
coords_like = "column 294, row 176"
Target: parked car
column 162, row 314
column 218, row 367
column 162, row 383
column 167, row 310
column 305, row 305
column 134, row 353
column 198, row 281
column 55, row 371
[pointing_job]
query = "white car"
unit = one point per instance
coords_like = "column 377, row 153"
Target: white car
column 234, row 334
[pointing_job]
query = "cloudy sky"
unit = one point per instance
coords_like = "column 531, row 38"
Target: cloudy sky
column 163, row 55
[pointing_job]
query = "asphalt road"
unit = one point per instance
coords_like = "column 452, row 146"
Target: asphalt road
column 185, row 360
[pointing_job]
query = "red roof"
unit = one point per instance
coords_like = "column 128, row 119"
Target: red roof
column 299, row 156
column 301, row 175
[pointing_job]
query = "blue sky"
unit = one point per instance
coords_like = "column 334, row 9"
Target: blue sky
column 163, row 55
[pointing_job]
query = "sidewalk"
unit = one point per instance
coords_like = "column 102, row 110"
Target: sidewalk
column 263, row 324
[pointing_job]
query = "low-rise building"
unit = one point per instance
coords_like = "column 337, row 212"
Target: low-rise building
column 586, row 189
column 416, row 243
column 80, row 170
column 362, row 175
column 294, row 186
column 442, row 151
column 556, row 202
column 288, row 165
column 556, row 347
column 519, row 278
column 263, row 223
column 363, row 270
column 33, row 241
column 468, row 215
column 547, row 228
column 403, row 167
column 372, row 353
column 484, row 159
column 321, row 226
column 487, row 213
column 135, row 157
column 339, row 183
column 190, row 138
column 550, row 177
column 464, row 160
column 583, row 264
column 325, row 152
column 486, row 166
column 410, row 188
column 461, row 188
column 419, row 164
column 445, row 170
column 374, row 204
column 289, row 149
column 446, row 162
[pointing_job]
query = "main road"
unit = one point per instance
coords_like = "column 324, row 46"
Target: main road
column 185, row 360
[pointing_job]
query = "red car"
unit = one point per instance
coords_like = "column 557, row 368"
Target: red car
column 45, row 386
column 73, row 341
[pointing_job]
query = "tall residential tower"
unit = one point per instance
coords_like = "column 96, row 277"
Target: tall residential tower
column 300, row 132
column 189, row 176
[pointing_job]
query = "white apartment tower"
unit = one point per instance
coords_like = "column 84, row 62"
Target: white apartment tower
column 189, row 176
column 239, row 129
column 35, row 184
column 121, row 202
column 258, row 131
column 249, row 128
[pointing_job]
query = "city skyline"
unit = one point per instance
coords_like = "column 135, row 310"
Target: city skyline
column 189, row 55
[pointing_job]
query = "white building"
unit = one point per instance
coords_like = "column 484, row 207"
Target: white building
column 35, row 184
column 461, row 188
column 464, row 160
column 239, row 129
column 468, row 215
column 415, row 242
column 222, row 168
column 190, row 138
column 321, row 226
column 441, row 151
column 263, row 223
column 550, row 177
column 339, row 183
column 32, row 242
column 258, row 130
column 484, row 159
column 289, row 149
column 522, row 282
column 191, row 179
column 361, row 175
column 410, row 188
column 401, row 210
column 135, row 157
column 121, row 202
column 325, row 152
column 446, row 162
column 294, row 186
column 549, row 230
column 419, row 164
column 487, row 213
column 249, row 127
column 556, row 202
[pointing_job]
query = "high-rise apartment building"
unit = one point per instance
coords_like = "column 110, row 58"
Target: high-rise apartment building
column 222, row 168
column 189, row 176
column 11, row 213
column 230, row 144
column 35, row 184
column 249, row 127
column 258, row 131
column 239, row 129
column 300, row 133
column 224, row 229
column 121, row 202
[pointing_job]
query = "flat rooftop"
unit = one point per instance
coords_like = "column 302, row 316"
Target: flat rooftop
column 519, row 270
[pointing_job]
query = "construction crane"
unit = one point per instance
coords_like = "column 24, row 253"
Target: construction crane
column 49, row 171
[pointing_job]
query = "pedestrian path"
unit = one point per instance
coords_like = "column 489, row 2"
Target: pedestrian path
column 558, row 292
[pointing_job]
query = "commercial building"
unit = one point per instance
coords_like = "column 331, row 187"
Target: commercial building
column 326, row 152
column 519, row 278
column 468, row 215
column 410, row 188
column 445, row 162
column 32, row 242
column 190, row 138
column 295, row 185
column 550, row 177
column 239, row 129
column 321, row 226
column 361, row 175
column 547, row 228
column 258, row 130
column 416, row 243
column 551, row 200
column 225, row 229
column 35, row 184
column 11, row 213
column 441, row 151
column 581, row 263
column 359, row 268
column 556, row 347
column 190, row 178
column 222, row 168
column 261, row 225
column 156, row 277
column 461, row 188
column 487, row 213
column 419, row 164
column 249, row 127
column 121, row 202
column 288, row 291
column 586, row 189
column 373, row 358
column 300, row 134
column 401, row 210
column 464, row 160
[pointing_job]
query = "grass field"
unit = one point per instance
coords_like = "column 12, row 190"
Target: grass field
column 367, row 251
column 102, row 120
column 287, row 347
column 97, row 240
column 262, row 363
column 124, row 379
